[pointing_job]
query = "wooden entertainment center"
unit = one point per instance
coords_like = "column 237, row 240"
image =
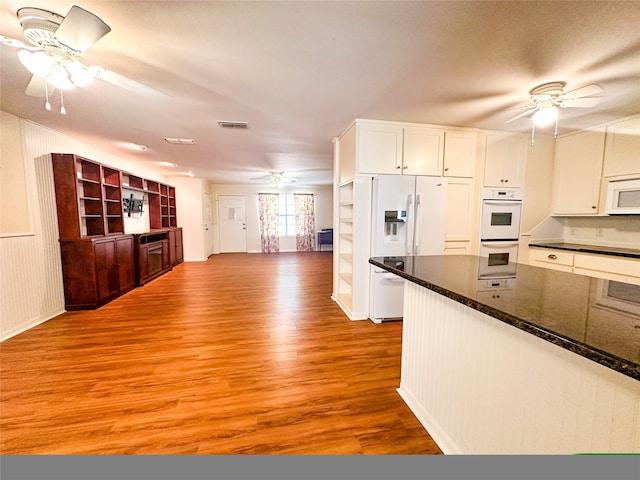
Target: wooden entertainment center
column 99, row 260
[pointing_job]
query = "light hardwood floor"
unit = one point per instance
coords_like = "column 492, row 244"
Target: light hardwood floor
column 243, row 353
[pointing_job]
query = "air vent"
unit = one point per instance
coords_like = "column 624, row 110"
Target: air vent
column 180, row 141
column 230, row 124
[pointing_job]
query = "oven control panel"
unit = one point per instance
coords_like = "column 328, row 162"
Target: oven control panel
column 502, row 194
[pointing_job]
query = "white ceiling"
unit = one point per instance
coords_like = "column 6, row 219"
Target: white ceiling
column 300, row 72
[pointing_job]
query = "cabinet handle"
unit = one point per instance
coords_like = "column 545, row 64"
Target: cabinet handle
column 446, row 169
column 593, row 207
column 551, row 256
column 398, row 167
column 405, row 167
column 506, row 180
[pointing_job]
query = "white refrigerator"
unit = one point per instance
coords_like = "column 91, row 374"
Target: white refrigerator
column 408, row 218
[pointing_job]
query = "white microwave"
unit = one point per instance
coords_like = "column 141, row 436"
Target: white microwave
column 623, row 197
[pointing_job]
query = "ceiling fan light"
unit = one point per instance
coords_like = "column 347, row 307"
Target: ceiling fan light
column 38, row 63
column 80, row 75
column 545, row 116
column 60, row 79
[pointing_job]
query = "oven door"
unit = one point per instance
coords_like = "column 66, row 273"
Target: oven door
column 498, row 259
column 500, row 219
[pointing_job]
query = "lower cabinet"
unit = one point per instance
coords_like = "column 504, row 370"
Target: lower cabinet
column 96, row 270
column 152, row 255
column 175, row 246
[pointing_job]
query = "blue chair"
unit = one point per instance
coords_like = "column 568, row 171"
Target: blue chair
column 325, row 237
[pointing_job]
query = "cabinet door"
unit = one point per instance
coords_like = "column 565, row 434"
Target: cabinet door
column 622, row 148
column 172, row 247
column 379, row 149
column 179, row 254
column 460, row 208
column 460, row 153
column 576, row 173
column 125, row 259
column 106, row 269
column 345, row 162
column 504, row 161
column 422, row 151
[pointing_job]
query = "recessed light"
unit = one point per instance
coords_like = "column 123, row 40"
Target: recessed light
column 180, row 141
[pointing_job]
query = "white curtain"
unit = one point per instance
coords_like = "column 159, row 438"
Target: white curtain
column 269, row 221
column 305, row 222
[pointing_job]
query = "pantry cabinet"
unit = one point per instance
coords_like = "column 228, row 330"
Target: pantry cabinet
column 577, row 173
column 504, row 160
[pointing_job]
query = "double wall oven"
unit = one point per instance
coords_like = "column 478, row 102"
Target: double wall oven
column 499, row 231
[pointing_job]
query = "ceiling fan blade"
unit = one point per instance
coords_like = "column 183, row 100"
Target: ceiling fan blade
column 584, row 102
column 128, row 84
column 523, row 114
column 80, row 29
column 12, row 42
column 586, row 91
column 36, row 87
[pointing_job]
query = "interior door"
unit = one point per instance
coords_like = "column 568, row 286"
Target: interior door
column 207, row 221
column 232, row 222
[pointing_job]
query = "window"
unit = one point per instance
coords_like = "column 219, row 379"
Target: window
column 287, row 214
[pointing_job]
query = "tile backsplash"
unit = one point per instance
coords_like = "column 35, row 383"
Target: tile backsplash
column 618, row 231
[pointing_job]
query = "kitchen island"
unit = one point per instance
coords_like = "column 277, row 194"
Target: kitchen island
column 542, row 362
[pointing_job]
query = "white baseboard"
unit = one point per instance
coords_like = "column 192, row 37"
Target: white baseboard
column 12, row 332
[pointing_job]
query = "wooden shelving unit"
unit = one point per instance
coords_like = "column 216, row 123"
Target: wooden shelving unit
column 100, row 261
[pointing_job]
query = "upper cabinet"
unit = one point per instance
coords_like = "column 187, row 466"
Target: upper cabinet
column 622, row 148
column 423, row 150
column 379, row 149
column 504, row 162
column 577, row 172
column 460, row 153
column 390, row 148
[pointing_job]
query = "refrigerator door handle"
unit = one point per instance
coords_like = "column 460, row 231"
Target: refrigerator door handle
column 410, row 226
column 417, row 225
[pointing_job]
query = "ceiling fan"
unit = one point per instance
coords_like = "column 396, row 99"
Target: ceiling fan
column 275, row 179
column 548, row 98
column 57, row 43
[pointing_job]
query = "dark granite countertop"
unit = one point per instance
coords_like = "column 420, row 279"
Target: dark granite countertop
column 577, row 247
column 597, row 319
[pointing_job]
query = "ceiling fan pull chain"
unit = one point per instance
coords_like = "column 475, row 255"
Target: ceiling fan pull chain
column 47, row 105
column 533, row 130
column 63, row 111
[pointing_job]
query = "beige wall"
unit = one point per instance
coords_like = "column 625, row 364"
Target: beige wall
column 14, row 203
column 323, row 204
column 31, row 289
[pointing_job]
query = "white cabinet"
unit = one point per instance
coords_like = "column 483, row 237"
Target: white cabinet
column 553, row 259
column 461, row 207
column 353, row 232
column 608, row 267
column 577, row 172
column 379, row 149
column 459, row 153
column 389, row 148
column 622, row 148
column 504, row 160
column 423, row 151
